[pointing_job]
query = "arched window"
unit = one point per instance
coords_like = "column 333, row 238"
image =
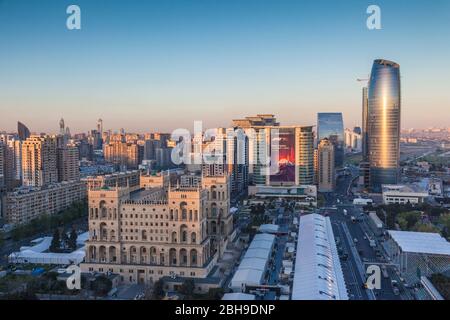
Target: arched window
column 193, row 237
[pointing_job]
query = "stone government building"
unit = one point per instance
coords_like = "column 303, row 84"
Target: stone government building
column 159, row 229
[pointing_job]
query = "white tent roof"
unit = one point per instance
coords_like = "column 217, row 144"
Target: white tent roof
column 264, row 236
column 257, row 253
column 238, row 296
column 318, row 274
column 36, row 253
column 246, row 276
column 253, row 263
column 269, row 228
column 421, row 242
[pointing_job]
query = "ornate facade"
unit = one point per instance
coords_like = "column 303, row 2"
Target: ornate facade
column 150, row 233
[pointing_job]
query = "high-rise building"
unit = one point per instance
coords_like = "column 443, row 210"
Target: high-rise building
column 353, row 141
column 331, row 127
column 278, row 155
column 39, row 161
column 365, row 124
column 384, row 104
column 22, row 131
column 326, row 171
column 227, row 154
column 123, row 154
column 68, row 163
column 2, row 165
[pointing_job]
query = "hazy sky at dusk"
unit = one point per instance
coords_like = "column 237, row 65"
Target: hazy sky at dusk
column 159, row 65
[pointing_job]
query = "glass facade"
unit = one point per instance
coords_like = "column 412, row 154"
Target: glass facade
column 331, row 127
column 384, row 123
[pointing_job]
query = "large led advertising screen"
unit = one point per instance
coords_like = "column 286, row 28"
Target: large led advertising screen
column 283, row 154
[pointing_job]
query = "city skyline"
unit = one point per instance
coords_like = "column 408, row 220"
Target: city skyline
column 214, row 60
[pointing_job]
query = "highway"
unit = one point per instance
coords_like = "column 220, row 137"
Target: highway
column 353, row 240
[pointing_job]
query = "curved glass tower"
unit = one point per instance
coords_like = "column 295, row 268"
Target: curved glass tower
column 384, row 103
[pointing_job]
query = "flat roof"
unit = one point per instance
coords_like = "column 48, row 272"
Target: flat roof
column 421, row 242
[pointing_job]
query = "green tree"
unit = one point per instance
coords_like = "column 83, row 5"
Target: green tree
column 422, row 227
column 158, row 289
column 187, row 288
column 55, row 245
column 72, row 242
column 102, row 285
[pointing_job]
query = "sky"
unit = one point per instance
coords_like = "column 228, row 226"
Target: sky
column 159, row 65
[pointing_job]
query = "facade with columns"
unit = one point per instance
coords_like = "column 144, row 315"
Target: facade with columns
column 148, row 234
column 217, row 210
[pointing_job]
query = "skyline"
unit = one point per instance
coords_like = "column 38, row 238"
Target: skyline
column 132, row 66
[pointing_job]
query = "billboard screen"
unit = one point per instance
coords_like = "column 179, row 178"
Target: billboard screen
column 283, row 154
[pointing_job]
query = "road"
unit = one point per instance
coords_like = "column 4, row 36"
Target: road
column 354, row 242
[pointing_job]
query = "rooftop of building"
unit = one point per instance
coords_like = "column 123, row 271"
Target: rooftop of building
column 421, row 242
column 403, row 188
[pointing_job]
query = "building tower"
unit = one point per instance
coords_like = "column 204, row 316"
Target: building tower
column 384, row 103
column 39, row 161
column 326, row 171
column 331, row 127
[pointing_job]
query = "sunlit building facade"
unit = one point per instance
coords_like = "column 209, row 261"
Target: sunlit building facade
column 331, row 126
column 384, row 102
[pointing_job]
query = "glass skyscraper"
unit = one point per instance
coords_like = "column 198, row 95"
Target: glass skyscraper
column 331, row 127
column 384, row 123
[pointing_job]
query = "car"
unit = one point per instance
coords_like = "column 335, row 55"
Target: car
column 355, row 240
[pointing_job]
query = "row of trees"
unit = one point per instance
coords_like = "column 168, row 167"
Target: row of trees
column 47, row 222
column 61, row 242
column 409, row 217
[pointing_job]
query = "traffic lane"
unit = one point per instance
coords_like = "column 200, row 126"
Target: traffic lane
column 353, row 281
column 386, row 293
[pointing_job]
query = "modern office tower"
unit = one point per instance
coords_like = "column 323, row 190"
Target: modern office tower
column 85, row 149
column 384, row 103
column 68, row 163
column 95, row 139
column 226, row 153
column 22, row 131
column 304, row 141
column 144, row 235
column 163, row 157
column 278, row 155
column 39, row 161
column 353, row 141
column 26, row 204
column 62, row 127
column 331, row 127
column 316, row 166
column 326, row 171
column 123, row 154
column 364, row 166
column 258, row 144
column 2, row 165
column 100, row 126
column 365, row 124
